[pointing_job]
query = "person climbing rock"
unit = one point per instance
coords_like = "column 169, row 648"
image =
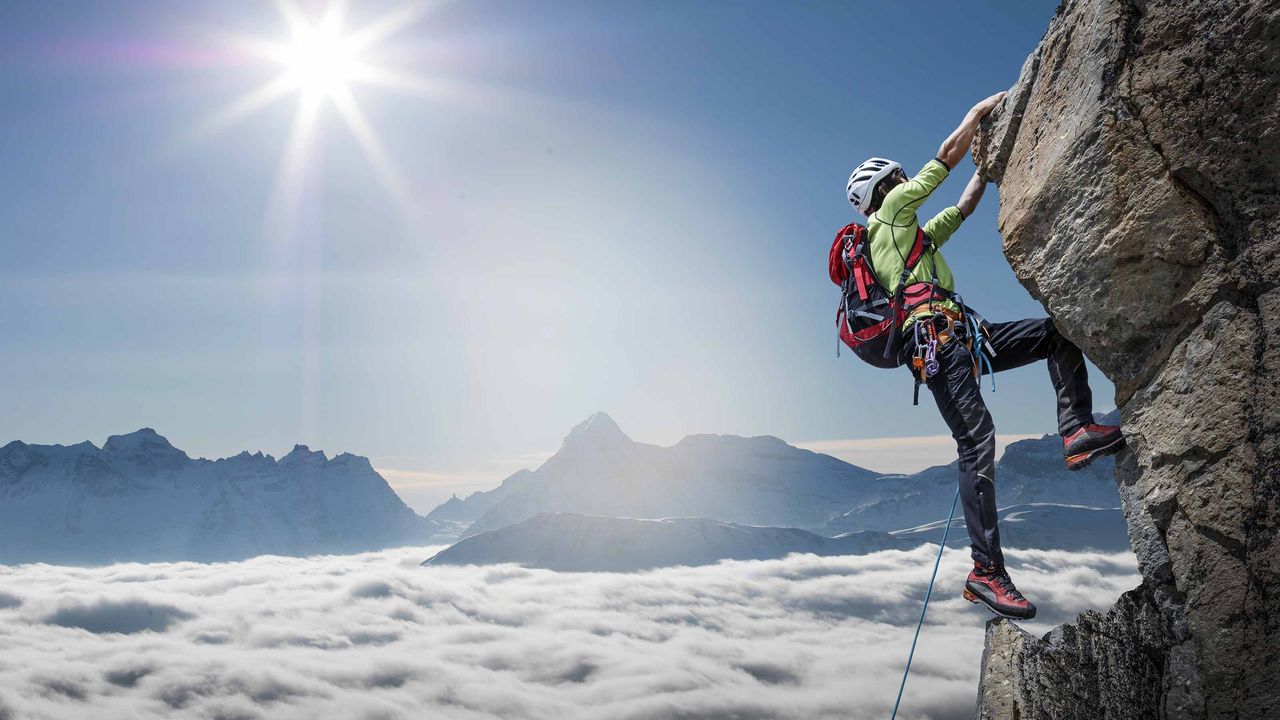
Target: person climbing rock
column 948, row 346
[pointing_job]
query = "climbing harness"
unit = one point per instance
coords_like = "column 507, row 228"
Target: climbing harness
column 934, row 327
column 911, row 655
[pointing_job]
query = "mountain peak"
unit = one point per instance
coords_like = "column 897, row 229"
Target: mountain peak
column 600, row 428
column 301, row 454
column 598, row 432
column 600, row 424
column 144, row 440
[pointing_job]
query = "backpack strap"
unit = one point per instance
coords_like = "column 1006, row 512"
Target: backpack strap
column 919, row 249
column 860, row 271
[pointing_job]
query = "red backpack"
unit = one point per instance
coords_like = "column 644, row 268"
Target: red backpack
column 868, row 317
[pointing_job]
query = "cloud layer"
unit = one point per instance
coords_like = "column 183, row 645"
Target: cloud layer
column 376, row 636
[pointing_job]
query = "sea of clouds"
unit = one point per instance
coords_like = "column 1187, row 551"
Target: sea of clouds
column 377, row 636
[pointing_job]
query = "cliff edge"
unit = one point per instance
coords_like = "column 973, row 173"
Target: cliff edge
column 1138, row 158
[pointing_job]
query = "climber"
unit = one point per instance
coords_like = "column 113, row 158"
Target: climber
column 946, row 345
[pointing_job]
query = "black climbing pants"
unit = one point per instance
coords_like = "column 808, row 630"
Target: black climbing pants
column 959, row 399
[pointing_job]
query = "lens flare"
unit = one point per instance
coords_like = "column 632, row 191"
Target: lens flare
column 320, row 61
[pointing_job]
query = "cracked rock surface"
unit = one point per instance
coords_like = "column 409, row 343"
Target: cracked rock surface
column 1138, row 158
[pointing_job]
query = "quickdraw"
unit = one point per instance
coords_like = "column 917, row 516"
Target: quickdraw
column 935, row 327
column 924, row 363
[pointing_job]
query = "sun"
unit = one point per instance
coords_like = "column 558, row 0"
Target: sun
column 319, row 61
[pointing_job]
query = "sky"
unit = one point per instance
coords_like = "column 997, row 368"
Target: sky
column 544, row 210
column 376, row 636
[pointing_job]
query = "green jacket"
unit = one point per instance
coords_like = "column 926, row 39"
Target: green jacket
column 892, row 229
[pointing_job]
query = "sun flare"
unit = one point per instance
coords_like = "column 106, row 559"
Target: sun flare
column 319, row 62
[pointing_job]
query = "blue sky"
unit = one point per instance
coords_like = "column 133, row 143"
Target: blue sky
column 595, row 206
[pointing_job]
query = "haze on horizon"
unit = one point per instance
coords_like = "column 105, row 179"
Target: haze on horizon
column 514, row 216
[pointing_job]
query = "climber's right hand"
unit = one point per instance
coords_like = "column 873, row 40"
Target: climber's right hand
column 985, row 107
column 957, row 143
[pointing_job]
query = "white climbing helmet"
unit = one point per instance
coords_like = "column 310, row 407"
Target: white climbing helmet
column 864, row 179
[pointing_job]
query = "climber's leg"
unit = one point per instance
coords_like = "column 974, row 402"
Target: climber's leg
column 1025, row 341
column 959, row 400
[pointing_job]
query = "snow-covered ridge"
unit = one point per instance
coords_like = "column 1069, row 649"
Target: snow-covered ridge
column 139, row 498
column 600, row 471
column 761, row 481
column 584, row 543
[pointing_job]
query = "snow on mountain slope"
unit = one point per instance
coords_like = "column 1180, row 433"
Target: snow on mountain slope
column 139, row 498
column 759, row 481
column 1042, row 526
column 1030, row 471
column 585, row 543
column 575, row 542
column 468, row 510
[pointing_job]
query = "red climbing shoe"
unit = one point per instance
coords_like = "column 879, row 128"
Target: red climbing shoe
column 1090, row 442
column 992, row 587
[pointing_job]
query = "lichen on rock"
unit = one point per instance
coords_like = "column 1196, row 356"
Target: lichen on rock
column 1138, row 158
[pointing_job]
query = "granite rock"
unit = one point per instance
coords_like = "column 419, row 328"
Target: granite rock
column 1138, row 158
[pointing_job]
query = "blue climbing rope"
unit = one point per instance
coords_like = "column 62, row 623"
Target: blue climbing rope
column 982, row 349
column 951, row 516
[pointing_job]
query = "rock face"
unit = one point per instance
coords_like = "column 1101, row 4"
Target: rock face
column 1138, row 159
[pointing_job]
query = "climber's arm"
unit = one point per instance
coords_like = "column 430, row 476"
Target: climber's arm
column 957, row 144
column 940, row 228
column 971, row 195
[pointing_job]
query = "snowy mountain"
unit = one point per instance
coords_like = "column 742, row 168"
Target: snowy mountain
column 582, row 543
column 1043, row 526
column 758, row 481
column 467, row 511
column 139, row 498
column 1030, row 471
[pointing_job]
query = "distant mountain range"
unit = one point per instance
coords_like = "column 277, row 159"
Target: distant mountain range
column 138, row 498
column 573, row 542
column 600, row 471
column 1030, row 471
column 580, row 543
column 759, row 481
column 1042, row 526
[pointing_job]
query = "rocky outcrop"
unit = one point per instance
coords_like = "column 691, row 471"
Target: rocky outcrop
column 1108, row 665
column 1138, row 159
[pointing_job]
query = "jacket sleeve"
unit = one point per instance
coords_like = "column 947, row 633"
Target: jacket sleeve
column 900, row 204
column 942, row 225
